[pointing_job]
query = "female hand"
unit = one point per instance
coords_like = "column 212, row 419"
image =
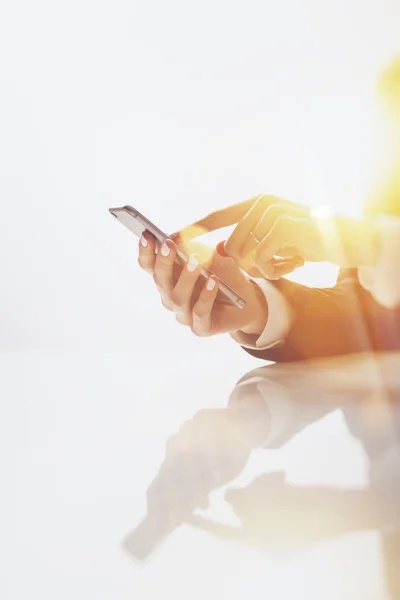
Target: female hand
column 268, row 227
column 195, row 302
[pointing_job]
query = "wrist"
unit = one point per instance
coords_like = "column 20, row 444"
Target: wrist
column 258, row 312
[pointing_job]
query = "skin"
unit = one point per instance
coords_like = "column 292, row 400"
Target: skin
column 189, row 297
column 267, row 227
column 194, row 303
column 288, row 234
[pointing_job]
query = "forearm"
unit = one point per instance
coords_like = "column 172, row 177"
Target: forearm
column 332, row 322
column 326, row 322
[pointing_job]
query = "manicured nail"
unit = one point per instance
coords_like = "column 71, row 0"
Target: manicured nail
column 192, row 264
column 211, row 284
column 165, row 249
column 143, row 241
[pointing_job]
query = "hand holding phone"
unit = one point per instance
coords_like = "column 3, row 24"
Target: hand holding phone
column 229, row 301
column 138, row 223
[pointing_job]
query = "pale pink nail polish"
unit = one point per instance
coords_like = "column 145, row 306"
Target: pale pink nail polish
column 211, row 284
column 165, row 249
column 143, row 241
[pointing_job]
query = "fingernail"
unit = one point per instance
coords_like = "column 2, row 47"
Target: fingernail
column 192, row 264
column 143, row 241
column 165, row 249
column 221, row 249
column 211, row 284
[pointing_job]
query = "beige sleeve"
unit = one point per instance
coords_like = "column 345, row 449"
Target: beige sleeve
column 278, row 324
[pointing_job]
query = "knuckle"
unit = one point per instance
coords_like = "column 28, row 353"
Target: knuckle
column 274, row 212
column 143, row 263
column 283, row 223
column 198, row 314
column 177, row 301
column 166, row 303
column 266, row 201
column 201, row 309
column 157, row 280
column 182, row 318
column 200, row 331
column 261, row 199
column 196, row 331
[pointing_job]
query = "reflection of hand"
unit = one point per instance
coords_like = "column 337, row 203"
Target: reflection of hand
column 197, row 304
column 285, row 519
column 269, row 227
column 282, row 518
column 209, row 451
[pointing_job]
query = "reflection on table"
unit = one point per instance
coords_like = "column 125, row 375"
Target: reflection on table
column 267, row 408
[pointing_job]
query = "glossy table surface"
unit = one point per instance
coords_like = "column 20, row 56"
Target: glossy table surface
column 126, row 476
column 180, row 110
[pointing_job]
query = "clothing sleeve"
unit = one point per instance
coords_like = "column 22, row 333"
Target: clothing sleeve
column 287, row 411
column 278, row 324
column 334, row 321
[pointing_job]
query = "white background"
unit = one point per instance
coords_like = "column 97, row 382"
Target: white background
column 177, row 108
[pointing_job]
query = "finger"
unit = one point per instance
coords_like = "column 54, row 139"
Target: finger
column 280, row 236
column 275, row 212
column 242, row 232
column 255, row 272
column 268, row 220
column 164, row 269
column 225, row 217
column 215, row 220
column 280, row 268
column 202, row 310
column 182, row 293
column 285, row 268
column 147, row 252
column 259, row 220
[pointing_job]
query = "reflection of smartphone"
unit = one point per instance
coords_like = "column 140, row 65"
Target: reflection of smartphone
column 147, row 537
column 137, row 223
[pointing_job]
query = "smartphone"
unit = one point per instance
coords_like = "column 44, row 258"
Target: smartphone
column 138, row 223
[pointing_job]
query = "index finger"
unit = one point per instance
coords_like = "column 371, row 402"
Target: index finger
column 215, row 220
column 225, row 217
